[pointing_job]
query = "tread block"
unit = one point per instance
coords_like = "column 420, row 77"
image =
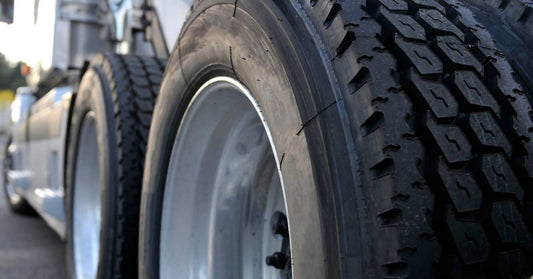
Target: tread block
column 509, row 223
column 143, row 92
column 487, row 131
column 333, row 12
column 470, row 239
column 136, row 70
column 500, row 176
column 428, row 4
column 145, row 119
column 474, row 91
column 320, row 10
column 335, row 44
column 154, row 70
column 436, row 23
column 451, row 140
column 462, row 188
column 501, row 78
column 140, row 81
column 436, row 95
column 155, row 78
column 519, row 11
column 481, row 39
column 422, row 58
column 394, row 5
column 511, row 264
column 144, row 105
column 456, row 52
column 403, row 24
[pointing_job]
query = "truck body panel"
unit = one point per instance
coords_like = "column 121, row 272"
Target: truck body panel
column 39, row 144
column 70, row 33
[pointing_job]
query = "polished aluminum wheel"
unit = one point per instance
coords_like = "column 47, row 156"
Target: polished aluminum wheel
column 224, row 209
column 86, row 209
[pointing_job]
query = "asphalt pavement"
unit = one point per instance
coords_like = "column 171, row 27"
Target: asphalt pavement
column 29, row 249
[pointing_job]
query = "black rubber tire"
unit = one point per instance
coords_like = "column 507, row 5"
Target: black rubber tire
column 18, row 205
column 121, row 91
column 510, row 22
column 418, row 137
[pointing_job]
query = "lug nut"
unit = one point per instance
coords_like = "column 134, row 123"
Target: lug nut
column 281, row 229
column 277, row 260
column 280, row 226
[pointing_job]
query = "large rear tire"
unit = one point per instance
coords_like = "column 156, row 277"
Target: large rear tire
column 108, row 133
column 405, row 142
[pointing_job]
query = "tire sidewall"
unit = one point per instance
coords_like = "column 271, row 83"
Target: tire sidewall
column 258, row 48
column 93, row 96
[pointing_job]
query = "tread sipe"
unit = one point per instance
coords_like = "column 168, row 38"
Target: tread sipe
column 444, row 133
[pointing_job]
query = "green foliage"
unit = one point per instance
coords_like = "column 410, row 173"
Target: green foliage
column 10, row 76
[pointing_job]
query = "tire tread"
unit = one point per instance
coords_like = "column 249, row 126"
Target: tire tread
column 461, row 126
column 134, row 83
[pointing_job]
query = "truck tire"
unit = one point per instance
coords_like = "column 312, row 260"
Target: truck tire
column 511, row 25
column 107, row 139
column 402, row 138
column 17, row 204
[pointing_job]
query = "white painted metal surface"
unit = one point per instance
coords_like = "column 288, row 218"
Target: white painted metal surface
column 172, row 14
column 39, row 144
column 68, row 32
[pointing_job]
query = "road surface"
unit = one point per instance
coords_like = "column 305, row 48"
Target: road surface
column 29, row 249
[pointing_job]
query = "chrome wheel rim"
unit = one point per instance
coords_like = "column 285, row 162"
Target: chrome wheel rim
column 86, row 209
column 224, row 195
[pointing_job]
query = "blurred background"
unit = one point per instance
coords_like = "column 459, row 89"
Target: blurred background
column 14, row 38
column 11, row 78
column 28, row 247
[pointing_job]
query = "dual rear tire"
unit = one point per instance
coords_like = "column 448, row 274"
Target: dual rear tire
column 402, row 138
column 311, row 139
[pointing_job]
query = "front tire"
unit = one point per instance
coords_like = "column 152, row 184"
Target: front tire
column 109, row 125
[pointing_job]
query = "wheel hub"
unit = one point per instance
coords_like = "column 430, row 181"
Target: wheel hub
column 224, row 193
